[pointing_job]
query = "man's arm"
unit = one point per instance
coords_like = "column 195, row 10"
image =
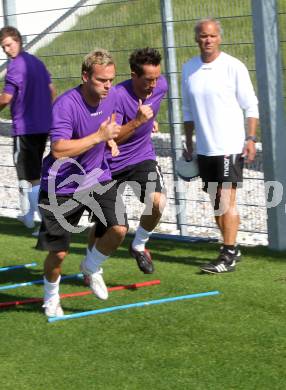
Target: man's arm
column 189, row 131
column 144, row 113
column 74, row 147
column 249, row 150
column 5, row 99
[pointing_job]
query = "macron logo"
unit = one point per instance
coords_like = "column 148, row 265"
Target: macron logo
column 96, row 113
column 226, row 166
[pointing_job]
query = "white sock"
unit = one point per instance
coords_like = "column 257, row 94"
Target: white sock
column 94, row 259
column 24, row 190
column 141, row 238
column 51, row 290
column 34, row 200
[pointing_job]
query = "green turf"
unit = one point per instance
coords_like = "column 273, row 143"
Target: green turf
column 235, row 340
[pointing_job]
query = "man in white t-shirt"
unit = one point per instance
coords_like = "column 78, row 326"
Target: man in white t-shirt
column 217, row 92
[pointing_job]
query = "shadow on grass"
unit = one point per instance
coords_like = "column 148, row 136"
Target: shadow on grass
column 37, row 308
column 160, row 248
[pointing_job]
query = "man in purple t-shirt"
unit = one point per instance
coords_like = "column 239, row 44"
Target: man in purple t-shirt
column 138, row 102
column 76, row 177
column 29, row 91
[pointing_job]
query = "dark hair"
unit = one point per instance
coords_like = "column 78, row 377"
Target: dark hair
column 145, row 56
column 12, row 32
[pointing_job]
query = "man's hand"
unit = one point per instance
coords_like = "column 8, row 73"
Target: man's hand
column 109, row 129
column 188, row 152
column 155, row 127
column 5, row 99
column 249, row 151
column 113, row 147
column 144, row 113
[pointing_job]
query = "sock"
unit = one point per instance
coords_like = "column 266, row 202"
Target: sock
column 24, row 190
column 34, row 200
column 51, row 290
column 94, row 259
column 229, row 248
column 140, row 239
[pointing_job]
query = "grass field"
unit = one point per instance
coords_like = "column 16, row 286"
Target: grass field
column 235, row 340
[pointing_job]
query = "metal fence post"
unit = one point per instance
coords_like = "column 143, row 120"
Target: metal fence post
column 273, row 124
column 9, row 11
column 173, row 109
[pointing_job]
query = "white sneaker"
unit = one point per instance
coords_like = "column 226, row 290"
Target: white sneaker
column 53, row 308
column 96, row 281
column 27, row 221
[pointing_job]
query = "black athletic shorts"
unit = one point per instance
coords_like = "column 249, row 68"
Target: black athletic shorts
column 58, row 223
column 144, row 178
column 221, row 169
column 28, row 153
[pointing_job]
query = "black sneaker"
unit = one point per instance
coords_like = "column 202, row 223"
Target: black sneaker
column 143, row 259
column 224, row 263
column 238, row 255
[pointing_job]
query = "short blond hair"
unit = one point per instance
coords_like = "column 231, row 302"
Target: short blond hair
column 96, row 57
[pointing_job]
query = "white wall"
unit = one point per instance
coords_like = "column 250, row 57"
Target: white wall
column 36, row 22
column 30, row 22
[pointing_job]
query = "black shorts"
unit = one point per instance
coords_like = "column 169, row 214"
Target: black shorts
column 58, row 223
column 144, row 178
column 221, row 169
column 28, row 153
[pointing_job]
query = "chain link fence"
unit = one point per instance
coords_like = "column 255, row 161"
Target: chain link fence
column 121, row 26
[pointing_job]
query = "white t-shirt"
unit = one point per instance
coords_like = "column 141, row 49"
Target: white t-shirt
column 214, row 96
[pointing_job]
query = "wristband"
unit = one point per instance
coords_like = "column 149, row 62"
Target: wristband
column 251, row 138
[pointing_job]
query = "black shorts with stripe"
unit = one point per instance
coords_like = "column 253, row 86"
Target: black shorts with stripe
column 221, row 169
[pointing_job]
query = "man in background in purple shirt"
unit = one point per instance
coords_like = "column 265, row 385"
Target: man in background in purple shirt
column 76, row 177
column 138, row 102
column 29, row 91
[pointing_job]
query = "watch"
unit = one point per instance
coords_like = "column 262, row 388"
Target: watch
column 251, row 138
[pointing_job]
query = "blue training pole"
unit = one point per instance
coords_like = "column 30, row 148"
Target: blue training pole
column 131, row 305
column 2, row 269
column 41, row 281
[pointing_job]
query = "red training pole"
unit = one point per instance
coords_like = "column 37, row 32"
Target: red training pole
column 82, row 293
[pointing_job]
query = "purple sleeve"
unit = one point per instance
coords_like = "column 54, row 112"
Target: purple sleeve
column 12, row 79
column 62, row 123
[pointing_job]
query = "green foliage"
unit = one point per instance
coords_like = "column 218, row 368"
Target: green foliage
column 234, row 340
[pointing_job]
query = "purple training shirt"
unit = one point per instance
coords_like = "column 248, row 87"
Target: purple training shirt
column 28, row 80
column 139, row 147
column 73, row 118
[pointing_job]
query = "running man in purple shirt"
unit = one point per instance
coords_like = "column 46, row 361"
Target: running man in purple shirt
column 29, row 91
column 138, row 102
column 76, row 177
